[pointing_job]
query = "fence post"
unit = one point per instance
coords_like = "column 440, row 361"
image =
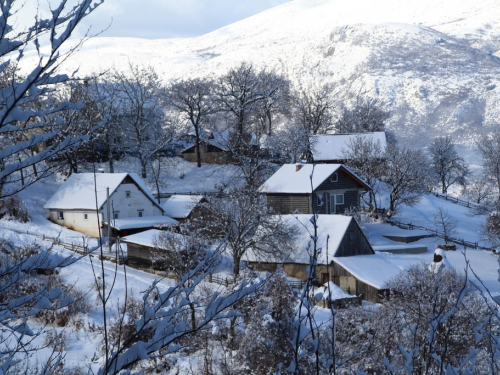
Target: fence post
column 209, row 277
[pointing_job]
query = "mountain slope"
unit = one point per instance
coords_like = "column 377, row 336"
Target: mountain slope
column 432, row 65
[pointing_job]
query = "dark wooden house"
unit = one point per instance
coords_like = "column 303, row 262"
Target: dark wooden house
column 214, row 149
column 346, row 258
column 318, row 188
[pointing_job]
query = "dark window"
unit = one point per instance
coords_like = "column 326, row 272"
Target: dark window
column 139, row 213
column 116, row 214
column 335, row 177
column 127, row 194
column 86, row 216
column 61, row 215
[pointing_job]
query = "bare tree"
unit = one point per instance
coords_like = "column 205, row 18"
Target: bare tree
column 445, row 223
column 366, row 116
column 478, row 190
column 238, row 93
column 447, row 165
column 243, row 220
column 313, row 108
column 193, row 100
column 145, row 130
column 489, row 147
column 275, row 91
column 367, row 158
column 406, row 176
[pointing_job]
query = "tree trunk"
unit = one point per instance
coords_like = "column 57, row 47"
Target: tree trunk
column 198, row 153
column 236, row 268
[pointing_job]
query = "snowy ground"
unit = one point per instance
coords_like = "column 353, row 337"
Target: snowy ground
column 82, row 344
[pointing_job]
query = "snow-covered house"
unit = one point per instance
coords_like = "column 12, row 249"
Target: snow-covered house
column 214, row 149
column 183, row 207
column 81, row 202
column 318, row 188
column 345, row 256
column 329, row 148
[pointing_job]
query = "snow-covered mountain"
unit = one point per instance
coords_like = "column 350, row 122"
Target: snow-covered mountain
column 432, row 63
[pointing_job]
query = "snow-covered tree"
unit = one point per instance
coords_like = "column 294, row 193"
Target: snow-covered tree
column 406, row 176
column 367, row 158
column 489, row 148
column 193, row 100
column 145, row 130
column 242, row 219
column 446, row 164
column 25, row 139
column 366, row 116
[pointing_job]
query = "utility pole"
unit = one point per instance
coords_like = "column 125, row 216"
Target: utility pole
column 109, row 219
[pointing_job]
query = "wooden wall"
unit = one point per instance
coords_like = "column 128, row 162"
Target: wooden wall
column 354, row 242
column 289, row 203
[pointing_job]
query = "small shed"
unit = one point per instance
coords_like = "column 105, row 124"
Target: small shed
column 308, row 188
column 184, row 207
column 330, row 148
column 81, row 202
column 142, row 252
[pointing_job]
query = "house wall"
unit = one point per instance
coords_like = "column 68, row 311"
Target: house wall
column 130, row 207
column 354, row 242
column 208, row 154
column 345, row 185
column 75, row 219
column 144, row 257
column 289, row 203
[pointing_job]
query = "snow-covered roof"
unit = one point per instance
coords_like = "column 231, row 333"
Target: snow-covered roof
column 215, row 138
column 81, row 192
column 288, row 179
column 148, row 237
column 331, row 146
column 181, row 206
column 332, row 227
column 372, row 269
column 331, row 292
column 142, row 222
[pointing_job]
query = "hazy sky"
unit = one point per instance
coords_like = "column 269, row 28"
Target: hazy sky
column 157, row 19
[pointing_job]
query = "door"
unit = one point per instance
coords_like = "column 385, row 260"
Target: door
column 336, row 200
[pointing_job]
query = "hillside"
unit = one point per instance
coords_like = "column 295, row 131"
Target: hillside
column 432, row 65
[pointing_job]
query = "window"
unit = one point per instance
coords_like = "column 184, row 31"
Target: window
column 339, row 199
column 116, row 214
column 85, row 216
column 128, row 194
column 61, row 215
column 336, row 200
column 335, row 177
column 139, row 213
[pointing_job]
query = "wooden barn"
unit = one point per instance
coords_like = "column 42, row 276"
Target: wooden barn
column 346, row 257
column 332, row 190
column 214, row 149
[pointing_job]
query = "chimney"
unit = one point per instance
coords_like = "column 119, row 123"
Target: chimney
column 298, row 167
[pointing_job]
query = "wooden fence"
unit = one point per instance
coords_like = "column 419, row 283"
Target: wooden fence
column 462, row 202
column 437, row 233
column 216, row 279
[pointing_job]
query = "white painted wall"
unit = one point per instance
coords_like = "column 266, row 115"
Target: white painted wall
column 120, row 203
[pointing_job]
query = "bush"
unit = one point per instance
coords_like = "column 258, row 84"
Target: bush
column 14, row 209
